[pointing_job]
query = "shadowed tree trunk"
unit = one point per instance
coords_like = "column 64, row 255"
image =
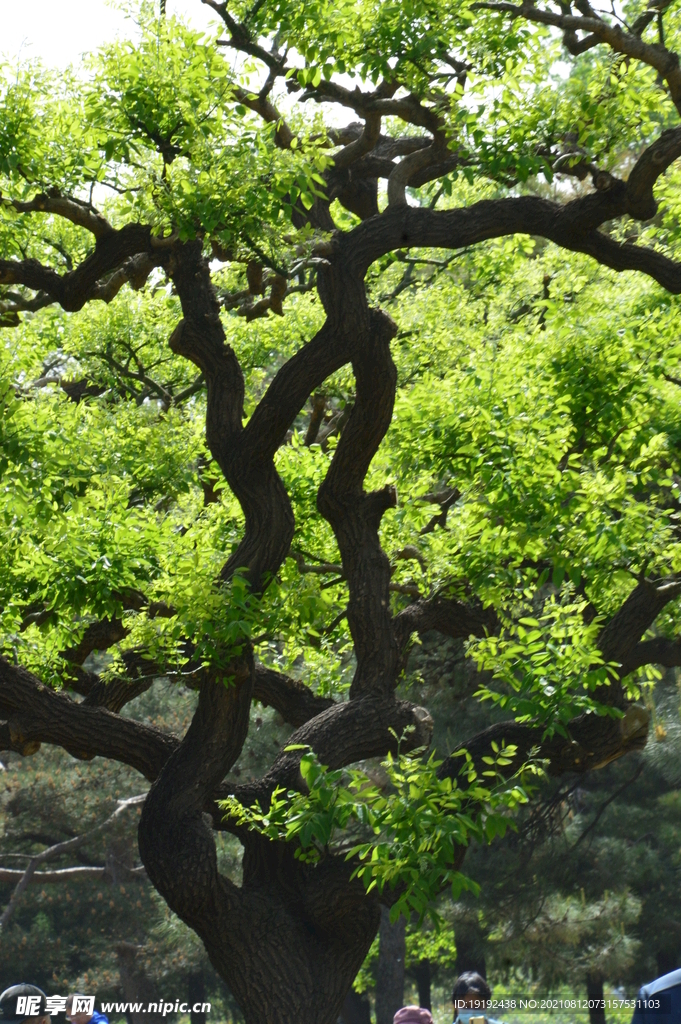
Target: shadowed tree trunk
column 390, row 971
column 470, row 954
column 356, row 1009
column 421, row 974
column 594, row 992
column 136, row 985
column 196, row 994
column 291, row 927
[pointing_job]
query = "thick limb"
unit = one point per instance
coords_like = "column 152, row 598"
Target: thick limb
column 290, row 940
column 355, row 515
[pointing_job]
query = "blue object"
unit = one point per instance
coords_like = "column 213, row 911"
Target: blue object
column 98, row 1018
column 664, row 995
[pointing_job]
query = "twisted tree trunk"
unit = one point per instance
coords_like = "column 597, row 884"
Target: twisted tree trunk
column 291, row 938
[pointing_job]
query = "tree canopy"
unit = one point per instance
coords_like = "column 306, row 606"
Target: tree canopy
column 284, row 390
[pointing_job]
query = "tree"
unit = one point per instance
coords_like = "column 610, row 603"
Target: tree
column 586, row 891
column 88, row 918
column 172, row 162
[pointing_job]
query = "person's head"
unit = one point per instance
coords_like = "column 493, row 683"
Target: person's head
column 413, row 1015
column 23, row 1004
column 471, row 993
column 76, row 1018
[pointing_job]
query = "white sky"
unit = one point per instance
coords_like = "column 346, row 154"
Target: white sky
column 59, row 31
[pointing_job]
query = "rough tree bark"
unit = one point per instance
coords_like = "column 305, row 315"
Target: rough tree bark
column 136, row 984
column 291, row 938
column 594, row 993
column 289, row 929
column 356, row 1009
column 196, row 996
column 470, row 955
column 390, row 972
column 422, row 977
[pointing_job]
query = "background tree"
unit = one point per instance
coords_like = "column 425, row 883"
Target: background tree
column 89, row 919
column 539, row 506
column 583, row 896
column 586, row 891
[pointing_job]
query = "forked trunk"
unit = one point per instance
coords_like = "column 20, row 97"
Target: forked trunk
column 287, row 970
column 289, row 941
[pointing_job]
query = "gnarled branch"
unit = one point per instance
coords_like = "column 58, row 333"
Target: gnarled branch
column 75, row 210
column 447, row 616
column 295, row 702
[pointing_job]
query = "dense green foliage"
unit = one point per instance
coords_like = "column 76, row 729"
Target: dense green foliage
column 567, row 475
column 534, row 447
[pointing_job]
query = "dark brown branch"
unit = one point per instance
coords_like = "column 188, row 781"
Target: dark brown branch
column 355, row 516
column 594, row 742
column 449, row 617
column 13, row 304
column 79, row 389
column 74, row 210
column 418, row 168
column 134, row 272
column 242, row 40
column 36, row 714
column 292, row 386
column 344, row 734
column 81, row 681
column 152, row 386
column 648, row 168
column 75, row 389
column 250, row 473
column 316, row 417
column 295, row 702
column 619, row 639
column 326, row 568
column 365, row 143
column 116, row 693
column 98, row 636
column 628, row 44
column 409, row 108
column 191, row 389
column 125, row 255
column 445, row 500
column 572, row 226
column 261, row 105
column 320, row 568
column 658, row 651
column 176, row 844
column 355, row 185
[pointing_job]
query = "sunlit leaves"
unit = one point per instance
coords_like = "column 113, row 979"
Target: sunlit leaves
column 546, row 669
column 400, row 836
